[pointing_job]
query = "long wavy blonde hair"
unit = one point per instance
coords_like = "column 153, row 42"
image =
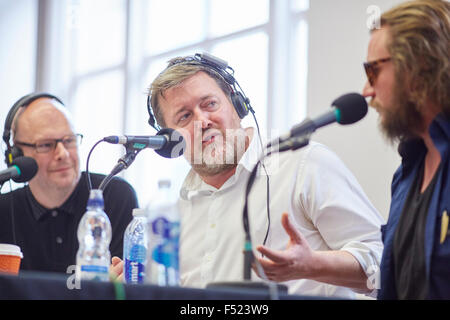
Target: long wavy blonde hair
column 420, row 50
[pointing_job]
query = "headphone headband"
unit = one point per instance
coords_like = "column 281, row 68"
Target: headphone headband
column 240, row 102
column 11, row 151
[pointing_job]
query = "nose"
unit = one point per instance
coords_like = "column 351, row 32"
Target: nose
column 60, row 151
column 368, row 91
column 203, row 117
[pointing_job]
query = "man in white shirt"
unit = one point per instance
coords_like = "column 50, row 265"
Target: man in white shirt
column 339, row 228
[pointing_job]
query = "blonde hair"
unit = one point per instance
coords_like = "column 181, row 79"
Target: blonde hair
column 419, row 46
column 178, row 70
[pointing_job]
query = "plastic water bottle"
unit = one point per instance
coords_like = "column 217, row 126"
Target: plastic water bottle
column 135, row 242
column 94, row 236
column 164, row 235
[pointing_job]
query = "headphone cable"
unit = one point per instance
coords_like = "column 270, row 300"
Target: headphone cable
column 247, row 101
column 267, row 175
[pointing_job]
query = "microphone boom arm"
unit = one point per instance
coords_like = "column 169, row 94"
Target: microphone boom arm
column 123, row 163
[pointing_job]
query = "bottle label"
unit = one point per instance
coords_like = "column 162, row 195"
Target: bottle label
column 166, row 252
column 134, row 271
column 135, row 264
column 160, row 226
column 164, row 263
column 94, row 272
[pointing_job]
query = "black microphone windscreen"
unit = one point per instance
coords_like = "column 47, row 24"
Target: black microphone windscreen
column 175, row 145
column 28, row 168
column 352, row 108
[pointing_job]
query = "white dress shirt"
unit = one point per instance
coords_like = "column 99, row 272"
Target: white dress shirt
column 323, row 199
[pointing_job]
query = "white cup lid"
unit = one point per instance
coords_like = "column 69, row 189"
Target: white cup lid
column 10, row 249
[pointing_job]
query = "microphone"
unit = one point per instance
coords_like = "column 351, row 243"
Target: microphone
column 139, row 142
column 168, row 143
column 348, row 108
column 22, row 169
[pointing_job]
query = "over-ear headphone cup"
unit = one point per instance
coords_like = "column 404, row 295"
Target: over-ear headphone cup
column 11, row 154
column 16, row 152
column 152, row 120
column 239, row 104
column 217, row 68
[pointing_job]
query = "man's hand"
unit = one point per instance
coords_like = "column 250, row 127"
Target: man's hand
column 292, row 263
column 116, row 269
column 299, row 261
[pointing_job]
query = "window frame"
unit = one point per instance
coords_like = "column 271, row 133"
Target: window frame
column 55, row 75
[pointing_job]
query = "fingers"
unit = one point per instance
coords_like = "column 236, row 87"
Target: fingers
column 116, row 269
column 115, row 260
column 275, row 256
column 272, row 271
column 270, row 265
column 277, row 265
column 280, row 257
column 120, row 278
column 294, row 234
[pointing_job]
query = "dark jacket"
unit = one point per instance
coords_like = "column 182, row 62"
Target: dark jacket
column 437, row 255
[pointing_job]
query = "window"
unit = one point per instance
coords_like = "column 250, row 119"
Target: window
column 115, row 48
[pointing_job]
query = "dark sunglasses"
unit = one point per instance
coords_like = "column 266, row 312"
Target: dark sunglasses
column 372, row 69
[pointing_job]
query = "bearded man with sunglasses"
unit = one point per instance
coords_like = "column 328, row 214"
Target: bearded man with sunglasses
column 42, row 217
column 408, row 72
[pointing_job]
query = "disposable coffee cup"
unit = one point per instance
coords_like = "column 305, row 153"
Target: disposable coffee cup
column 10, row 257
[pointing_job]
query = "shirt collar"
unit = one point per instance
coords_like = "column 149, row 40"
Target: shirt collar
column 193, row 185
column 72, row 205
column 412, row 149
column 38, row 211
column 440, row 133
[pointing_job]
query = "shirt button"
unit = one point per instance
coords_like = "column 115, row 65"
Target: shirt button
column 59, row 240
column 54, row 213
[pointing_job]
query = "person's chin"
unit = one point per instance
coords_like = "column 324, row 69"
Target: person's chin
column 212, row 169
column 66, row 178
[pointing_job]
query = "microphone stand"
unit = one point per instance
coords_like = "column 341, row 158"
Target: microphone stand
column 247, row 283
column 11, row 211
column 123, row 163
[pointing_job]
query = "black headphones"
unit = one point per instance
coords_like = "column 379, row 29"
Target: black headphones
column 239, row 100
column 220, row 67
column 12, row 152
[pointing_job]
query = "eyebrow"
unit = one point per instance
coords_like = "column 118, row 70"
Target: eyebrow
column 203, row 98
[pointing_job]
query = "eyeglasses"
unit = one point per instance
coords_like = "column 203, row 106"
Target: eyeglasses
column 372, row 69
column 48, row 145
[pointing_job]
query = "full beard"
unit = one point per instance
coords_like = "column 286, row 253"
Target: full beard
column 221, row 155
column 401, row 120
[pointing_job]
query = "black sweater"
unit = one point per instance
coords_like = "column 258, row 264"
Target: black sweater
column 48, row 237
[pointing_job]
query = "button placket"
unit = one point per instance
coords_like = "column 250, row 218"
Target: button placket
column 210, row 239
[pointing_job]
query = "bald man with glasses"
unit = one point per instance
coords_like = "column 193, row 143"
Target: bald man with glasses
column 42, row 217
